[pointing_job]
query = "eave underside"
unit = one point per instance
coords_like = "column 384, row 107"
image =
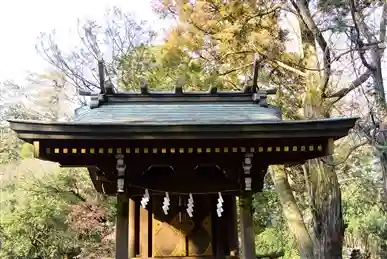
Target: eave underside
column 187, row 149
column 148, row 161
column 331, row 128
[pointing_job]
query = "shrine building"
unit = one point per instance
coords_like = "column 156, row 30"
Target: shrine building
column 176, row 161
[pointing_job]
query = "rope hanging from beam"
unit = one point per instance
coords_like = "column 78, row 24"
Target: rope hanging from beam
column 179, row 193
column 190, row 205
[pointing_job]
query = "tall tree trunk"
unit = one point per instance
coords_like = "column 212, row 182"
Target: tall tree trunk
column 325, row 199
column 321, row 179
column 292, row 213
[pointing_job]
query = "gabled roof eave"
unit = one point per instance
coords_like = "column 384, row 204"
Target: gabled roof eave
column 328, row 128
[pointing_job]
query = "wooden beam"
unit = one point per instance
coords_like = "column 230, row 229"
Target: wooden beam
column 220, row 232
column 330, row 147
column 122, row 226
column 247, row 227
column 144, row 232
column 36, row 149
column 131, row 226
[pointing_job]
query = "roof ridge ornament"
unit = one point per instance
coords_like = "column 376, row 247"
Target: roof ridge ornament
column 259, row 96
column 108, row 93
column 106, row 86
column 96, row 100
column 101, row 74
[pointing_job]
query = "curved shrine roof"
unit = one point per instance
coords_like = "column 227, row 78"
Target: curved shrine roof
column 178, row 114
column 147, row 115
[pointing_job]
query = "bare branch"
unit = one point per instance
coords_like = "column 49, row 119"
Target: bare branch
column 358, row 22
column 120, row 37
column 234, row 69
column 349, row 153
column 352, row 86
column 290, row 68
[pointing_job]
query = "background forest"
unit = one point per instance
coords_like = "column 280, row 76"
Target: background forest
column 326, row 59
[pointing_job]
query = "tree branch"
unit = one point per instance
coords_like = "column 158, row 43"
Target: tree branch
column 234, row 69
column 288, row 67
column 352, row 149
column 352, row 86
column 357, row 21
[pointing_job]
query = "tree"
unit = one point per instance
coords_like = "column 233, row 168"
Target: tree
column 202, row 30
column 214, row 43
column 323, row 185
column 42, row 207
column 222, row 38
column 43, row 97
column 51, row 213
column 362, row 188
column 121, row 36
column 204, row 25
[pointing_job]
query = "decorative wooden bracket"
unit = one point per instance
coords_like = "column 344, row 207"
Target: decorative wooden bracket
column 121, row 167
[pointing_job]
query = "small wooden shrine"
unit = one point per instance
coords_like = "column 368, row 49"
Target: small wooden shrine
column 177, row 161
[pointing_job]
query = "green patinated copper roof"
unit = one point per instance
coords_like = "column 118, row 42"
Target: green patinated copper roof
column 178, row 113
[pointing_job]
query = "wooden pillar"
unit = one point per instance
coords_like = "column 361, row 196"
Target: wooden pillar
column 132, row 233
column 220, row 232
column 122, row 226
column 144, row 232
column 232, row 227
column 247, row 226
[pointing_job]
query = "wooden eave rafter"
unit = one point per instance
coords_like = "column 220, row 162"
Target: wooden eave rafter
column 326, row 128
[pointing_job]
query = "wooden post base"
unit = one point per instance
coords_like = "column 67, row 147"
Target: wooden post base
column 247, row 227
column 122, row 226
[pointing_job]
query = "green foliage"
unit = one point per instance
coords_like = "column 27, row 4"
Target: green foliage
column 26, row 150
column 41, row 213
column 272, row 234
column 36, row 227
column 144, row 63
column 219, row 39
column 268, row 210
column 162, row 68
column 9, row 146
column 274, row 239
column 362, row 205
